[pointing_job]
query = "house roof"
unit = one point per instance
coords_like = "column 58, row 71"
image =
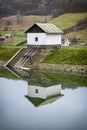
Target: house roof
column 47, row 28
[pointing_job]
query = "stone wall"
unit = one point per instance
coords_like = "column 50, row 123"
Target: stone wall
column 69, row 69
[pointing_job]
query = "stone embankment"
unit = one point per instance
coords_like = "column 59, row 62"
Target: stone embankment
column 69, row 69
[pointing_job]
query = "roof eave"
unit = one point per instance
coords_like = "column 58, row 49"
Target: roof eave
column 60, row 32
column 55, row 33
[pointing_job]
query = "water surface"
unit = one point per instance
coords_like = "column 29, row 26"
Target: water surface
column 42, row 101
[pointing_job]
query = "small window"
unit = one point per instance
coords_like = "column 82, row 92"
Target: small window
column 36, row 90
column 36, row 39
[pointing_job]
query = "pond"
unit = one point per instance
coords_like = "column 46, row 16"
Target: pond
column 33, row 100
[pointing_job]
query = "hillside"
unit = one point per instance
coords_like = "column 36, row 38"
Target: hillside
column 74, row 56
column 73, row 24
column 68, row 20
column 7, row 52
column 41, row 7
column 21, row 23
column 11, row 25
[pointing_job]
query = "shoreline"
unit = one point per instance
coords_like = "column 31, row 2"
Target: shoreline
column 80, row 70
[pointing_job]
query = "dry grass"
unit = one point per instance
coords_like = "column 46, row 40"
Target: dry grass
column 26, row 21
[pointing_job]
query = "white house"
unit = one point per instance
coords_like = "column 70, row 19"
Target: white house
column 44, row 34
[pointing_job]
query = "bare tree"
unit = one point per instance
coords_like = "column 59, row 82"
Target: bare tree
column 19, row 18
column 7, row 25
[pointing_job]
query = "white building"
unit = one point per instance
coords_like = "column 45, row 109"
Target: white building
column 44, row 34
column 65, row 41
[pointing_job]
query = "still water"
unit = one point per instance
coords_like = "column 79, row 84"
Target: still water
column 42, row 101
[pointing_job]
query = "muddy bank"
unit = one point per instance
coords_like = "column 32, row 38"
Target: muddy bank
column 69, row 69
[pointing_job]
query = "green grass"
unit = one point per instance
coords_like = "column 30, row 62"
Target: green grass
column 68, row 20
column 12, row 32
column 73, row 56
column 17, row 37
column 7, row 52
column 67, row 80
column 7, row 74
column 39, row 101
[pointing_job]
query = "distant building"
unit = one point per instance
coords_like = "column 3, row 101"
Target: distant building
column 5, row 37
column 41, row 90
column 64, row 41
column 44, row 35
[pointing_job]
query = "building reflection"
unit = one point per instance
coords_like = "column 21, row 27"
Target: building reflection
column 41, row 90
column 43, row 95
column 44, row 92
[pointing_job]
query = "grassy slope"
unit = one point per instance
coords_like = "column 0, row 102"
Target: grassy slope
column 67, row 80
column 17, row 37
column 63, row 22
column 7, row 52
column 17, row 30
column 7, row 74
column 68, row 20
column 75, row 56
column 82, row 35
column 57, row 56
column 71, row 19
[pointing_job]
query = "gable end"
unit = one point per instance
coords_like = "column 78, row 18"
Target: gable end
column 35, row 29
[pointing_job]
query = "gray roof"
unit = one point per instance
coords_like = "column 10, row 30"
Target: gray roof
column 48, row 28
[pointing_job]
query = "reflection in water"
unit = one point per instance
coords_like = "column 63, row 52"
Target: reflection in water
column 43, row 92
column 40, row 90
column 44, row 88
column 43, row 95
column 45, row 79
column 67, row 113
